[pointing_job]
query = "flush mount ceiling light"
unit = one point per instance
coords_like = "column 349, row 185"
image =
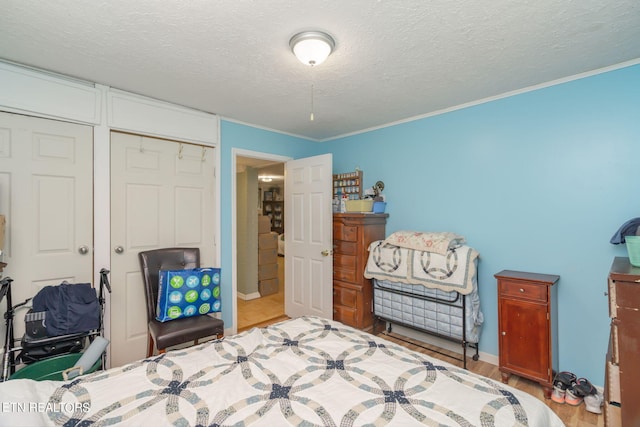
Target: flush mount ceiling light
column 312, row 47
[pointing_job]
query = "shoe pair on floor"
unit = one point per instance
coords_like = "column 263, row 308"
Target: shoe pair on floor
column 572, row 390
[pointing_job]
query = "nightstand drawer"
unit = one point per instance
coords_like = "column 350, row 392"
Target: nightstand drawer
column 520, row 290
column 345, row 232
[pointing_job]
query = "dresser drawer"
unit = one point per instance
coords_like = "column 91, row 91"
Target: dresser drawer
column 614, row 345
column 347, row 275
column 344, row 261
column 612, row 382
column 520, row 290
column 345, row 296
column 627, row 295
column 342, row 247
column 346, row 315
column 612, row 299
column 345, row 232
column 612, row 415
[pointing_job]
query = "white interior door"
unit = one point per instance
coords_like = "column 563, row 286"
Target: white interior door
column 308, row 237
column 46, row 185
column 162, row 195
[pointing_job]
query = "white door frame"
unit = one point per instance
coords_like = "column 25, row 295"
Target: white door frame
column 235, row 153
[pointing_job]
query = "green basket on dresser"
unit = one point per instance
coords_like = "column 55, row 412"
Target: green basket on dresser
column 633, row 249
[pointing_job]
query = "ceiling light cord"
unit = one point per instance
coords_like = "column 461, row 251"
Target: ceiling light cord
column 311, row 115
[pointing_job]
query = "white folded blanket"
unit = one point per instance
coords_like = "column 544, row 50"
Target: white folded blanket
column 454, row 271
column 438, row 242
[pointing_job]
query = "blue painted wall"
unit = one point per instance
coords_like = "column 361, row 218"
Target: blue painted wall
column 536, row 182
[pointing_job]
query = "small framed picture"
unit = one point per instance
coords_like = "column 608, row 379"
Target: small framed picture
column 268, row 196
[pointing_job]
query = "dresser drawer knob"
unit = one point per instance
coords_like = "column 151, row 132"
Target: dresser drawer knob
column 522, row 290
column 504, row 333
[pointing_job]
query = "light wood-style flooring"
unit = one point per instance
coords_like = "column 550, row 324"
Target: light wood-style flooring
column 270, row 309
column 257, row 311
column 572, row 416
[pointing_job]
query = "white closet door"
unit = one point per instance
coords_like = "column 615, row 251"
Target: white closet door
column 162, row 195
column 46, row 170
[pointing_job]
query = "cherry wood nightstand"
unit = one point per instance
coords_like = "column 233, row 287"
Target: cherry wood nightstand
column 527, row 326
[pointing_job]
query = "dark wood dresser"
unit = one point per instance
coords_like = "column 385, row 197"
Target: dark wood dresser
column 527, row 326
column 352, row 293
column 622, row 379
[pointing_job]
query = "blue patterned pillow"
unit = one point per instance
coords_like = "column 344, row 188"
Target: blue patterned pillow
column 186, row 293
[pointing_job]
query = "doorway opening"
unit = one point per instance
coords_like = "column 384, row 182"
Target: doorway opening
column 259, row 233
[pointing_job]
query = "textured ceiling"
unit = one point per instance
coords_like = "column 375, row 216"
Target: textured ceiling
column 394, row 59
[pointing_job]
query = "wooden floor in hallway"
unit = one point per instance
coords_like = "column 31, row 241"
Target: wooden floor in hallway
column 263, row 310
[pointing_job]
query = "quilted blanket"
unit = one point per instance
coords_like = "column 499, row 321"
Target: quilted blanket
column 306, row 371
column 454, row 271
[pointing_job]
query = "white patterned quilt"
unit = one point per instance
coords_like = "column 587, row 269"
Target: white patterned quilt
column 307, row 371
column 454, row 271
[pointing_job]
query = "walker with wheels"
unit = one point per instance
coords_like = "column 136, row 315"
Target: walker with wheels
column 52, row 357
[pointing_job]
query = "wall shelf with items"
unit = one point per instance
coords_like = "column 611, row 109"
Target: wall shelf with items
column 349, row 183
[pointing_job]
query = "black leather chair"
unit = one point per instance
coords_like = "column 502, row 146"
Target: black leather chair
column 167, row 334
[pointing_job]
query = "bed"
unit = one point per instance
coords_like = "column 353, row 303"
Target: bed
column 428, row 282
column 305, row 371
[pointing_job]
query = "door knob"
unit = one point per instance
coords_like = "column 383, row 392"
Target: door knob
column 327, row 252
column 83, row 250
column 119, row 249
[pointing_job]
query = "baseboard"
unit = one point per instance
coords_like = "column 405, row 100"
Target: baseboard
column 248, row 297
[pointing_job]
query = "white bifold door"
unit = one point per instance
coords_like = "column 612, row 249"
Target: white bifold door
column 162, row 195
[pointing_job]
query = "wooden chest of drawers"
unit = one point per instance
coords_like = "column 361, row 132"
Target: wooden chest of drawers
column 352, row 293
column 622, row 379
